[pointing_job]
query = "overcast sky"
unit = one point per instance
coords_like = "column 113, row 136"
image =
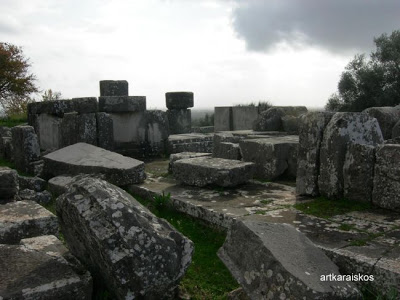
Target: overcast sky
column 290, row 52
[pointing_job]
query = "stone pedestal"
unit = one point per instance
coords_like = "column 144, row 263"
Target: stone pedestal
column 114, row 88
column 179, row 116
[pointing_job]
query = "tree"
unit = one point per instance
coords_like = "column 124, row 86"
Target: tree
column 49, row 95
column 16, row 83
column 370, row 82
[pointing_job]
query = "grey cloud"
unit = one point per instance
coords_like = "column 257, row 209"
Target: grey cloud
column 336, row 25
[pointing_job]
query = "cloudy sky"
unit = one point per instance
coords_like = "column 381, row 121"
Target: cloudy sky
column 290, row 52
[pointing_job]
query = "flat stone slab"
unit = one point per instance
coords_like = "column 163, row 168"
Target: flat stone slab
column 183, row 155
column 83, row 158
column 24, row 219
column 40, row 268
column 283, row 263
column 202, row 171
column 58, row 185
column 122, row 104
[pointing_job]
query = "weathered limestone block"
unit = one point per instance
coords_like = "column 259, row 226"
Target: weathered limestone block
column 33, row 183
column 179, row 120
column 291, row 124
column 5, row 136
column 122, row 104
column 396, row 130
column 203, row 129
column 273, row 157
column 243, row 117
column 105, row 131
column 202, row 171
column 114, row 88
column 42, row 268
column 8, row 183
column 271, row 119
column 387, row 118
column 42, row 198
column 386, row 192
column 49, row 130
column 184, row 155
column 284, row 264
column 157, row 132
column 54, row 107
column 85, row 105
column 342, row 130
column 5, row 131
column 312, row 126
column 26, row 147
column 87, row 129
column 69, row 129
column 228, row 151
column 24, row 219
column 58, row 185
column 223, row 118
column 6, row 151
column 179, row 100
column 358, row 172
column 124, row 245
column 83, row 158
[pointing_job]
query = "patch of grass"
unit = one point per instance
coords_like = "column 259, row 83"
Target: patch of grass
column 161, row 201
column 369, row 293
column 325, row 208
column 346, row 227
column 266, row 201
column 260, row 212
column 6, row 163
column 207, row 277
column 13, row 121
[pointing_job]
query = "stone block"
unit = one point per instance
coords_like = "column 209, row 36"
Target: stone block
column 56, row 107
column 105, row 131
column 25, row 147
column 202, row 171
column 33, row 183
column 396, row 130
column 49, row 129
column 69, row 129
column 342, row 130
column 114, row 88
column 223, row 119
column 42, row 268
column 228, row 151
column 122, row 104
column 387, row 118
column 6, row 148
column 284, row 264
column 358, row 172
column 58, row 185
column 179, row 120
column 134, row 253
column 25, row 219
column 273, row 157
column 312, row 126
column 291, row 124
column 203, row 129
column 190, row 143
column 85, row 105
column 184, row 155
column 179, row 100
column 87, row 129
column 5, row 131
column 271, row 119
column 83, row 158
column 8, row 183
column 243, row 117
column 157, row 132
column 386, row 191
column 42, row 198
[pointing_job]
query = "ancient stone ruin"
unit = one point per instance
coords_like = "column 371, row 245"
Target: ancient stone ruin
column 245, row 178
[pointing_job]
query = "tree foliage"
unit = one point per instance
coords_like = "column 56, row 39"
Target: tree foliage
column 370, row 82
column 49, row 95
column 16, row 82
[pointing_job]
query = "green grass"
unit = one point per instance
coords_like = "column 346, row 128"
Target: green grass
column 6, row 163
column 13, row 121
column 207, row 277
column 325, row 208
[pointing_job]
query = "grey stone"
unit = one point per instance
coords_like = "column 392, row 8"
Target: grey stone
column 203, row 129
column 5, row 131
column 122, row 104
column 49, row 129
column 58, row 185
column 26, row 147
column 56, row 107
column 87, row 129
column 85, row 105
column 24, row 219
column 396, row 130
column 202, row 171
column 42, row 198
column 37, row 167
column 179, row 100
column 179, row 120
column 223, row 120
column 312, row 126
column 134, row 253
column 273, row 157
column 157, row 132
column 284, row 264
column 271, row 119
column 386, row 192
column 89, row 159
column 193, row 142
column 291, row 124
column 237, row 294
column 396, row 140
column 114, row 88
column 184, row 155
column 387, row 118
column 243, row 117
column 6, row 148
column 358, row 172
column 33, row 183
column 69, row 129
column 105, row 131
column 228, row 151
column 40, row 268
column 8, row 183
column 342, row 130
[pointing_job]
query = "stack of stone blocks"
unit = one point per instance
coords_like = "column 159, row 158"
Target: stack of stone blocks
column 179, row 114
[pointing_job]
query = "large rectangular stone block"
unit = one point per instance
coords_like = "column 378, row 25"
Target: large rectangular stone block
column 179, row 100
column 25, row 147
column 85, row 105
column 105, row 131
column 122, row 104
column 157, row 132
column 223, row 119
column 179, row 120
column 114, row 88
column 49, row 130
column 8, row 183
column 243, row 117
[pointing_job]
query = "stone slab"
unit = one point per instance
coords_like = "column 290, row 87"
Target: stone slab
column 202, row 171
column 24, row 219
column 193, row 142
column 122, row 104
column 85, row 105
column 184, row 155
column 58, row 185
column 88, row 159
column 105, row 131
column 114, row 88
column 243, row 117
column 41, row 268
column 25, row 147
column 9, row 183
column 223, row 118
column 179, row 100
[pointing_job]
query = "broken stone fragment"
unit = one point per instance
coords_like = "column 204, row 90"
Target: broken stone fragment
column 127, row 248
column 284, row 264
